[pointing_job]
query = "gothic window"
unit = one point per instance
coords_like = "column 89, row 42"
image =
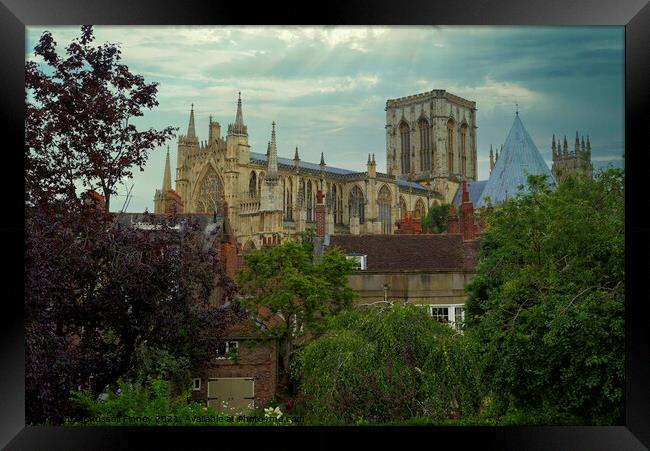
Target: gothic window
column 384, row 200
column 425, row 154
column 356, row 204
column 259, row 184
column 402, row 208
column 419, row 209
column 310, row 200
column 252, row 184
column 463, row 149
column 340, row 201
column 450, row 146
column 210, row 193
column 284, row 197
column 301, row 193
column 289, row 200
column 405, row 139
column 335, row 209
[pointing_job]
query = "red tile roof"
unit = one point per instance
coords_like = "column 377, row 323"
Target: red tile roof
column 406, row 253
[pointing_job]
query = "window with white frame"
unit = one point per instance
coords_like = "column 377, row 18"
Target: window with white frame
column 196, row 383
column 452, row 314
column 227, row 349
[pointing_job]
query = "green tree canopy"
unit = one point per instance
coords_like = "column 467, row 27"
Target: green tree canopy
column 436, row 218
column 547, row 304
column 296, row 288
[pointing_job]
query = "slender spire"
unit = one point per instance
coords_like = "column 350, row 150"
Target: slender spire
column 296, row 156
column 368, row 159
column 373, row 158
column 491, row 159
column 577, row 148
column 167, row 178
column 554, row 147
column 322, row 159
column 238, row 128
column 191, row 133
column 566, row 147
column 588, row 144
column 239, row 119
column 272, row 167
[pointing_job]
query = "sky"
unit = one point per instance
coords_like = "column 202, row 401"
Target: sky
column 326, row 87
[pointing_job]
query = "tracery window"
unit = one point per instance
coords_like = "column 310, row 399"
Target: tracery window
column 210, row 194
column 252, row 184
column 405, row 139
column 356, row 204
column 402, row 208
column 419, row 209
column 425, row 154
column 450, row 146
column 385, row 200
column 463, row 149
column 310, row 202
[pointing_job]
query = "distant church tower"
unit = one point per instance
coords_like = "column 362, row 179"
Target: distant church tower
column 576, row 162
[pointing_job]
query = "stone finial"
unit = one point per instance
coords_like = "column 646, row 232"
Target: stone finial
column 272, row 163
column 322, row 159
column 296, row 157
column 167, row 177
column 191, row 132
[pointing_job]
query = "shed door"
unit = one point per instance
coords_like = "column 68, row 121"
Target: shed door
column 231, row 394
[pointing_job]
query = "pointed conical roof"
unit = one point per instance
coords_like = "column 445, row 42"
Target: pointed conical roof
column 191, row 133
column 167, row 178
column 272, row 166
column 519, row 158
column 238, row 128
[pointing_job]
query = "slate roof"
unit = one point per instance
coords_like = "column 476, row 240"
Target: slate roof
column 408, row 253
column 406, row 184
column 303, row 164
column 475, row 190
column 519, row 156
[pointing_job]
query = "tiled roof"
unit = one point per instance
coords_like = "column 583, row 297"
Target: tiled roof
column 518, row 158
column 406, row 253
column 475, row 190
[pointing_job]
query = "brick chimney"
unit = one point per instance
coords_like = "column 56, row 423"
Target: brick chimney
column 466, row 213
column 452, row 221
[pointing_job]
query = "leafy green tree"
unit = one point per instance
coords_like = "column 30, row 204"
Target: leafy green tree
column 547, row 304
column 295, row 287
column 386, row 364
column 436, row 218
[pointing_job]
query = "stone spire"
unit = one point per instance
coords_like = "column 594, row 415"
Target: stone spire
column 296, row 160
column 272, row 163
column 577, row 148
column 238, row 128
column 191, row 133
column 491, row 159
column 554, row 147
column 582, row 144
column 167, row 178
column 322, row 159
column 565, row 149
column 588, row 144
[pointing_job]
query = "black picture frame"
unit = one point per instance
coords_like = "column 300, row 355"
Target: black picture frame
column 634, row 15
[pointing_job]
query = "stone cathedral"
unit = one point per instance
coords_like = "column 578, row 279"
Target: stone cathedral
column 430, row 149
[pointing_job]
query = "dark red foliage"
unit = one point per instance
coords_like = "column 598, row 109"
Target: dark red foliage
column 96, row 290
column 79, row 120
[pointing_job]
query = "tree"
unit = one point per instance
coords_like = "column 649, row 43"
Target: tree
column 547, row 303
column 387, row 364
column 436, row 219
column 97, row 293
column 79, row 127
column 302, row 292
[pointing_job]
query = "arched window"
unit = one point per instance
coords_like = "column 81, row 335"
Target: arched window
column 259, row 183
column 252, row 184
column 450, row 146
column 405, row 139
column 419, row 209
column 402, row 208
column 310, row 200
column 356, row 204
column 301, row 193
column 289, row 200
column 384, row 201
column 249, row 246
column 463, row 149
column 340, row 201
column 335, row 202
column 210, row 194
column 425, row 154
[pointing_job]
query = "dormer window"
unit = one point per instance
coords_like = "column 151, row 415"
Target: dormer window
column 360, row 261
